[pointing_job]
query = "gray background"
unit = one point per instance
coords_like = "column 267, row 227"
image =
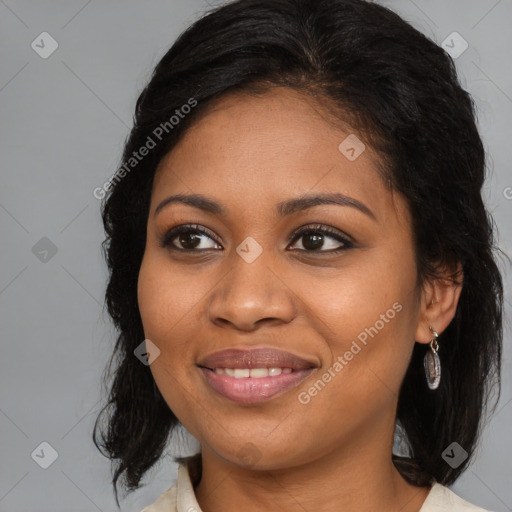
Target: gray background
column 63, row 123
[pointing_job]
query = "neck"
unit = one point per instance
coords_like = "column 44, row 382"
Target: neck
column 360, row 477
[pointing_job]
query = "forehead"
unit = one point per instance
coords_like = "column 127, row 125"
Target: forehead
column 257, row 148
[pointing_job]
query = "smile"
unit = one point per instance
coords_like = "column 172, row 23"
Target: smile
column 252, row 376
column 256, row 373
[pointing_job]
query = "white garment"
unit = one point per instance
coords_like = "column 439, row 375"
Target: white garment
column 181, row 498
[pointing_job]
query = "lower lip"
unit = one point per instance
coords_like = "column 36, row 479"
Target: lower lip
column 250, row 390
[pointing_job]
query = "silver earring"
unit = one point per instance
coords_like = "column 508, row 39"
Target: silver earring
column 432, row 363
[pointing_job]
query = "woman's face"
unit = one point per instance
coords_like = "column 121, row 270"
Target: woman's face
column 348, row 316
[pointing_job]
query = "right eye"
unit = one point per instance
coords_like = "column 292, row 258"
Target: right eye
column 189, row 236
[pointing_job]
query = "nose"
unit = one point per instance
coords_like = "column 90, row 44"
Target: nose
column 252, row 294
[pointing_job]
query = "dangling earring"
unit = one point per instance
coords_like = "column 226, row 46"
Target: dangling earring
column 432, row 363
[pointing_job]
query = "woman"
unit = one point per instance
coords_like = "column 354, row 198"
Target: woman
column 301, row 266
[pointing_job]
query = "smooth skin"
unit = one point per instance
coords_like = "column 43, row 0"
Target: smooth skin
column 249, row 153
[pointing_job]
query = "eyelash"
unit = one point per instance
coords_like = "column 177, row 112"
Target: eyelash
column 297, row 234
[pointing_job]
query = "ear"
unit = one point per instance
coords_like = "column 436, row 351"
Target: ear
column 439, row 299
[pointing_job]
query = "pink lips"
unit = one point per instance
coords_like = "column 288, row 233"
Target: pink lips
column 250, row 390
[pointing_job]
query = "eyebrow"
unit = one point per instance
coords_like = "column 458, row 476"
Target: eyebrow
column 283, row 208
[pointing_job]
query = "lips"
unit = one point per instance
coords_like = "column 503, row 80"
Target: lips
column 239, row 375
column 255, row 358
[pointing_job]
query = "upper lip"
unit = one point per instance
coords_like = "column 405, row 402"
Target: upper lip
column 255, row 358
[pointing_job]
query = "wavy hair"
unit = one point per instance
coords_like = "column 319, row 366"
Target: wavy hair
column 402, row 93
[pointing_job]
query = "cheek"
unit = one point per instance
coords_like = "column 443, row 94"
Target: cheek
column 166, row 297
column 169, row 302
column 367, row 312
column 359, row 292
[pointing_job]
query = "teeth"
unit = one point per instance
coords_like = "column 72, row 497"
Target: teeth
column 259, row 372
column 242, row 372
column 256, row 373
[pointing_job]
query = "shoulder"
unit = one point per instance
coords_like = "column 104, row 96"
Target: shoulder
column 441, row 499
column 181, row 494
column 166, row 502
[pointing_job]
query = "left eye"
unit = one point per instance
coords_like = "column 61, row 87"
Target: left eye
column 315, row 238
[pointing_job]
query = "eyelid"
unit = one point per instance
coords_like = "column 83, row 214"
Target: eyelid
column 325, row 229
